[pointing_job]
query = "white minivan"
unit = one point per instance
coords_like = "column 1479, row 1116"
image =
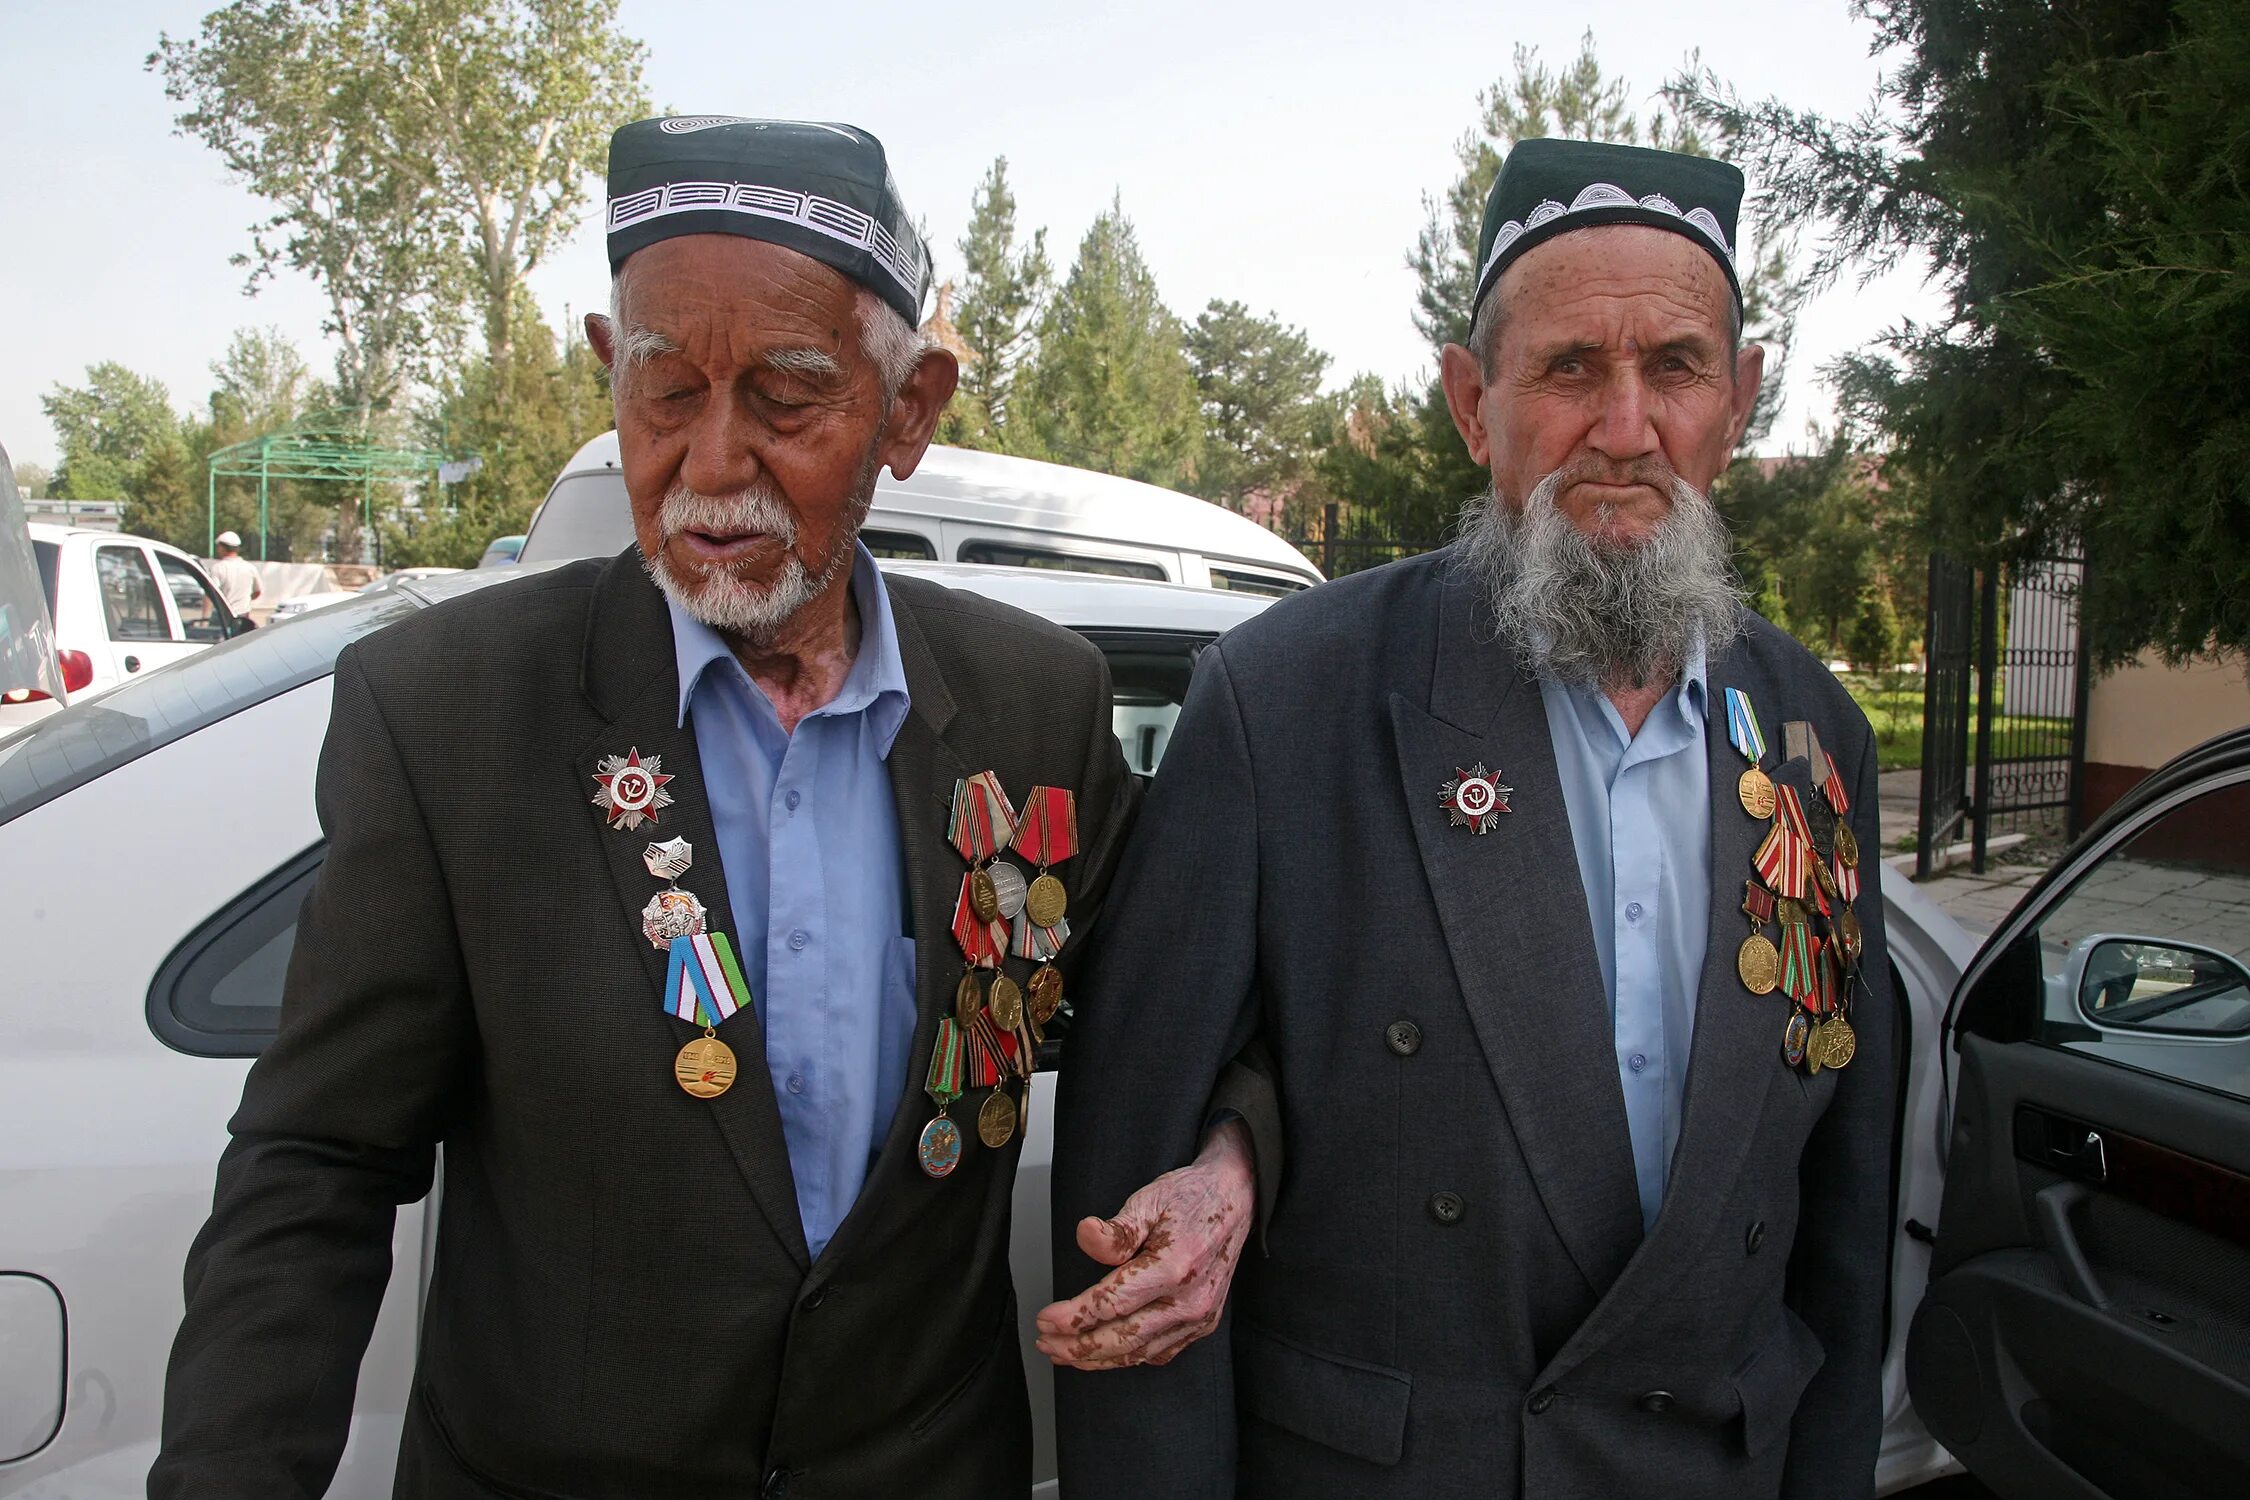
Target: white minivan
column 970, row 507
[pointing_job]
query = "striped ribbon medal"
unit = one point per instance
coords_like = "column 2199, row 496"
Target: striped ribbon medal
column 1799, row 957
column 1755, row 787
column 939, row 1150
column 1783, row 861
column 703, row 985
column 1847, row 842
column 983, row 823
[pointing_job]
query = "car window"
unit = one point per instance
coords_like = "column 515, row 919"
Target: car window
column 898, row 544
column 49, row 557
column 219, row 994
column 2146, row 959
column 1270, row 584
column 1149, row 673
column 1003, row 555
column 586, row 515
column 203, row 614
column 130, row 605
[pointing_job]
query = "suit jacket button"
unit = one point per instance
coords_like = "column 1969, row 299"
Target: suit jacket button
column 1755, row 1238
column 1540, row 1400
column 814, row 1298
column 1403, row 1038
column 776, row 1485
column 1446, row 1208
column 1655, row 1401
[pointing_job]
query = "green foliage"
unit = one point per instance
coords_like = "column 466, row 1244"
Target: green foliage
column 32, row 481
column 995, row 315
column 1872, row 643
column 1111, row 388
column 1399, row 471
column 1265, row 421
column 121, row 440
column 2078, row 182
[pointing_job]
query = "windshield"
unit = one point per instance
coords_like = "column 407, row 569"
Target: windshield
column 586, row 515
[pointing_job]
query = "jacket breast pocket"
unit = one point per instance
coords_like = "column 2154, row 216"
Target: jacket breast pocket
column 1771, row 1382
column 1345, row 1404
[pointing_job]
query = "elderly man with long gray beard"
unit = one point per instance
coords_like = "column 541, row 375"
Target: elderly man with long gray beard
column 1536, row 863
column 685, row 898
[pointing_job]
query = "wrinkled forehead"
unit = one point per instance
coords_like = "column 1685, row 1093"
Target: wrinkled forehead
column 712, row 283
column 1617, row 281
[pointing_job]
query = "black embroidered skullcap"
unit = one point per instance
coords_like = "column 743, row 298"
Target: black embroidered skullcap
column 821, row 190
column 1549, row 186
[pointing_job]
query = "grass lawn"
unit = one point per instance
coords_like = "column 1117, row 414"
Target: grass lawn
column 1892, row 702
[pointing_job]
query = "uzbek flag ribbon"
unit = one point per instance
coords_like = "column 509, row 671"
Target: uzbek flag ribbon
column 1039, row 944
column 1832, row 787
column 702, row 981
column 1047, row 832
column 983, row 821
column 1742, row 726
column 1784, row 861
column 1798, row 956
column 982, row 943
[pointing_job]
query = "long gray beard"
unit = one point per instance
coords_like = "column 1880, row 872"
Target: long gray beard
column 1597, row 613
column 734, row 606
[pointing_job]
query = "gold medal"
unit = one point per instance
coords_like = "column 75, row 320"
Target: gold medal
column 984, row 896
column 996, row 1120
column 1046, row 901
column 1755, row 788
column 1006, row 1002
column 1796, row 1038
column 1046, row 994
column 705, row 1067
column 1826, row 881
column 1847, row 845
column 1759, row 964
column 967, row 996
column 1848, row 934
column 1839, row 1042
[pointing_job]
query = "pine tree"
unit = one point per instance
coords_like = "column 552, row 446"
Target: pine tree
column 994, row 313
column 1111, row 388
column 1263, row 414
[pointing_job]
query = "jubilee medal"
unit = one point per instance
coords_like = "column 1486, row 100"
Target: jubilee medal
column 1047, row 835
column 939, row 1149
column 1757, row 961
column 703, row 985
column 1754, row 787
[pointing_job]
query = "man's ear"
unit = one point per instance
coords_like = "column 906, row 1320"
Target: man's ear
column 916, row 409
column 601, row 337
column 1462, row 375
column 1749, row 374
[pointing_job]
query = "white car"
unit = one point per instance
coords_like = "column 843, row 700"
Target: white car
column 121, row 606
column 155, row 847
column 304, row 604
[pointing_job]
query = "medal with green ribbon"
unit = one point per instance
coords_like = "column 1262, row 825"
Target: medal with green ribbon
column 1755, row 788
column 940, row 1148
column 703, row 985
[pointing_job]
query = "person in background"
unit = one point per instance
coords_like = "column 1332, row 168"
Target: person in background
column 236, row 577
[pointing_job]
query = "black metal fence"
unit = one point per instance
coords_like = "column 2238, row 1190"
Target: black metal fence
column 2004, row 711
column 1343, row 546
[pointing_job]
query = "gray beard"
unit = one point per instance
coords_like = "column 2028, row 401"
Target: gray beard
column 1596, row 613
column 733, row 606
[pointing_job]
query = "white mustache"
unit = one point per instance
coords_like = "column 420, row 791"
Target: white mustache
column 758, row 509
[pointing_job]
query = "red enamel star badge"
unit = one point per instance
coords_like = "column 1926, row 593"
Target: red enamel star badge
column 631, row 789
column 1475, row 798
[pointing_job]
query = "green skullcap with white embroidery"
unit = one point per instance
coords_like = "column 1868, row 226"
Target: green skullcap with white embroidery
column 821, row 190
column 1548, row 187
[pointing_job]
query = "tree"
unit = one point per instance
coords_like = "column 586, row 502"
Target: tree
column 421, row 154
column 995, row 312
column 2077, row 182
column 1872, row 645
column 121, row 440
column 32, row 481
column 1111, row 388
column 1264, row 419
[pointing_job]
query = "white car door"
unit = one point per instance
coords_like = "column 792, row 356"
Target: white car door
column 137, row 621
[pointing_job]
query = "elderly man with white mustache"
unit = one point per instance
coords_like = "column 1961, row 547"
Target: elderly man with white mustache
column 1573, row 978
column 686, row 899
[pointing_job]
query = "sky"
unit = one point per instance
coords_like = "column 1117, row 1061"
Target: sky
column 1274, row 154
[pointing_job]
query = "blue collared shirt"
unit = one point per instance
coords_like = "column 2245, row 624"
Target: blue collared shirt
column 808, row 833
column 1640, row 818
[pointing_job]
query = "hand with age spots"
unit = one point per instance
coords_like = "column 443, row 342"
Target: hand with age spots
column 1175, row 1244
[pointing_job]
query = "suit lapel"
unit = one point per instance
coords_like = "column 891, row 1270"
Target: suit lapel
column 631, row 676
column 1515, row 921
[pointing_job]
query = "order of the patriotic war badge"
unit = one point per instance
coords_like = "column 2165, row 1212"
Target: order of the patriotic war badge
column 1474, row 799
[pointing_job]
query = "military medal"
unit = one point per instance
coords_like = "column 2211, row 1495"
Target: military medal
column 968, row 998
column 671, row 913
column 1009, row 889
column 1798, row 954
column 1757, row 961
column 1754, row 788
column 1796, row 1038
column 996, row 1119
column 1839, row 1043
column 629, row 790
column 1005, row 1002
column 1045, row 993
column 1474, row 799
column 1047, row 835
column 703, row 985
column 1783, row 862
column 983, row 822
column 939, row 1149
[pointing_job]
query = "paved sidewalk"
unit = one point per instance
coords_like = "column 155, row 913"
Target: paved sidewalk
column 1977, row 902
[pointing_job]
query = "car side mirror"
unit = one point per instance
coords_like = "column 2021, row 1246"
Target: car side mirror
column 2157, row 985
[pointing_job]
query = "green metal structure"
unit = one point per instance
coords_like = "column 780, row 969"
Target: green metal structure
column 332, row 447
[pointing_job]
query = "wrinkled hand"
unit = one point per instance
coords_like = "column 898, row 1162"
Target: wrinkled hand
column 1175, row 1244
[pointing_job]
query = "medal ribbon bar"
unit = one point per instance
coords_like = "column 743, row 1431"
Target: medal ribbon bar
column 1742, row 726
column 702, row 982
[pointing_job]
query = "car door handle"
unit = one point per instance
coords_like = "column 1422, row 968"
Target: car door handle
column 2052, row 1206
column 132, row 664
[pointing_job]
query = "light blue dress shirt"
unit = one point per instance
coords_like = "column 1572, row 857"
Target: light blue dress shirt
column 808, row 833
column 1640, row 818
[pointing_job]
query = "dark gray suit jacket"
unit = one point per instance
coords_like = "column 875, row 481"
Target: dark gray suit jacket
column 1457, row 1298
column 622, row 1304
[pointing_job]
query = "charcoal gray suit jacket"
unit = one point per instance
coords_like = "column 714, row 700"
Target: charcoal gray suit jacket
column 622, row 1304
column 1457, row 1299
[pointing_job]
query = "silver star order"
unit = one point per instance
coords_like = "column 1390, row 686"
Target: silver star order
column 1475, row 798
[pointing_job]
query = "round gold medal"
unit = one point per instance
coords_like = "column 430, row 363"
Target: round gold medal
column 1758, row 963
column 1046, row 902
column 1824, row 879
column 1848, row 934
column 968, row 995
column 984, row 896
column 1006, row 1002
column 1847, row 845
column 705, row 1067
column 1046, row 993
column 996, row 1120
column 1755, row 788
column 1842, row 1043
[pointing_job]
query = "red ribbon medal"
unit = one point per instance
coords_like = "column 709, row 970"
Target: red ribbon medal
column 981, row 942
column 1784, row 860
column 1799, row 954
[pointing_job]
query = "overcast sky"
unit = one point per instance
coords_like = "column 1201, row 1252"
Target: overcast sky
column 1277, row 154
